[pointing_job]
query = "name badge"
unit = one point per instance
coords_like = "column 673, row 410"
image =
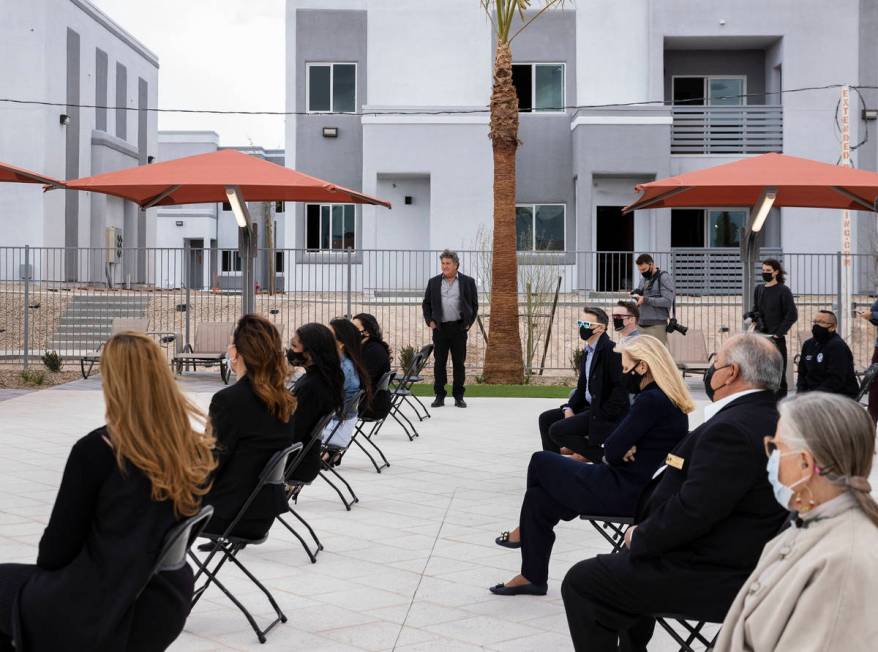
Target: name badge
column 676, row 462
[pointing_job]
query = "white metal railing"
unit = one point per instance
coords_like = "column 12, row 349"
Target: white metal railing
column 727, row 129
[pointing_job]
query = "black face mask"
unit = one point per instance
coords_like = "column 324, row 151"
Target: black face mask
column 820, row 333
column 618, row 324
column 296, row 359
column 585, row 333
column 767, row 276
column 632, row 382
column 708, row 377
column 647, row 274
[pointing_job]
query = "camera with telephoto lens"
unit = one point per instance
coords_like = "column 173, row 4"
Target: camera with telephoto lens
column 755, row 318
column 674, row 325
column 636, row 292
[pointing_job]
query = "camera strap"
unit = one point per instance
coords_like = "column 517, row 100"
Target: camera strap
column 673, row 301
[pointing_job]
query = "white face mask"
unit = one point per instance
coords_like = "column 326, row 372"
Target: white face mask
column 782, row 493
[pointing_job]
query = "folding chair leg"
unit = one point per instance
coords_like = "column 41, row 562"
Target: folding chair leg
column 411, row 434
column 414, row 406
column 427, row 414
column 280, row 614
column 308, row 526
column 311, row 555
column 378, row 468
column 347, row 504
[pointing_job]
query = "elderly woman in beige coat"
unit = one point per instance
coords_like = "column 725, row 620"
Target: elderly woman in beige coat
column 816, row 584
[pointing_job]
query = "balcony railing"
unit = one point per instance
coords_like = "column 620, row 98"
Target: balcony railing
column 727, row 129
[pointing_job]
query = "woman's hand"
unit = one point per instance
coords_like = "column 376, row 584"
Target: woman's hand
column 629, row 456
column 568, row 413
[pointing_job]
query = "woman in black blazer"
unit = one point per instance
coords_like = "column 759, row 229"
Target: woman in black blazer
column 124, row 487
column 376, row 357
column 562, row 487
column 252, row 420
column 319, row 391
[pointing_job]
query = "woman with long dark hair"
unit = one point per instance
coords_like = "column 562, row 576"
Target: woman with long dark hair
column 124, row 487
column 319, row 391
column 339, row 431
column 376, row 359
column 774, row 311
column 252, row 420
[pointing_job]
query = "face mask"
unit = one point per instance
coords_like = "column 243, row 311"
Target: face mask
column 767, row 277
column 782, row 493
column 647, row 274
column 585, row 333
column 708, row 378
column 618, row 324
column 632, row 382
column 820, row 333
column 295, row 359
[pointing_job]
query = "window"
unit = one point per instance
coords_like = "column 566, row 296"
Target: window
column 539, row 86
column 329, row 226
column 713, row 228
column 227, row 206
column 703, row 90
column 540, row 227
column 278, row 208
column 332, row 87
column 231, row 261
column 279, row 262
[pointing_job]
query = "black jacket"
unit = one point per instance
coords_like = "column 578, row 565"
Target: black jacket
column 469, row 300
column 827, row 367
column 247, row 436
column 313, row 402
column 609, row 396
column 376, row 359
column 777, row 306
column 96, row 553
column 716, row 512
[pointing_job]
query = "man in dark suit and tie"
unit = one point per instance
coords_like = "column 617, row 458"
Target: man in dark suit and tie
column 450, row 306
column 702, row 522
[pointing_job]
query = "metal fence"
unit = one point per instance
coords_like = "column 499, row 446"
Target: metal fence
column 64, row 300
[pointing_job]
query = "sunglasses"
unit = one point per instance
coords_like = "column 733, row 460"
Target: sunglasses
column 586, row 324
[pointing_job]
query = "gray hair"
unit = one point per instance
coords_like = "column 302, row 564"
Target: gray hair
column 451, row 254
column 840, row 435
column 757, row 358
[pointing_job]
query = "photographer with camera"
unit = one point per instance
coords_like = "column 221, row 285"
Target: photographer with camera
column 655, row 299
column 774, row 311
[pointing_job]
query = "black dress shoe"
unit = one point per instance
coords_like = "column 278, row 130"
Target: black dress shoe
column 439, row 402
column 459, row 402
column 503, row 540
column 524, row 589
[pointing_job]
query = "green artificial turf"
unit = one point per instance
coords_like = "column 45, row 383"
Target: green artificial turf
column 502, row 391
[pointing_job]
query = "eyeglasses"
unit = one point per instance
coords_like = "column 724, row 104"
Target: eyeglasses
column 586, row 324
column 363, row 333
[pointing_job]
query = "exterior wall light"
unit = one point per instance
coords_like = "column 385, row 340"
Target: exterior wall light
column 64, row 119
column 330, row 132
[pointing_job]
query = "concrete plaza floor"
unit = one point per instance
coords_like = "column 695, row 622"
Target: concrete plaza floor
column 408, row 568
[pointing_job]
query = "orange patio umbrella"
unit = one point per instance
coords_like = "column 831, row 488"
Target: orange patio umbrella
column 13, row 174
column 205, row 178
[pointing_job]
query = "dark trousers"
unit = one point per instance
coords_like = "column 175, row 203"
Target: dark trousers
column 781, row 344
column 610, row 600
column 873, row 392
column 553, row 494
column 12, row 578
column 572, row 433
column 449, row 336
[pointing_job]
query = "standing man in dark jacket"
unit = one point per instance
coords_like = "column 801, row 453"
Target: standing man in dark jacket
column 871, row 316
column 707, row 516
column 826, row 363
column 600, row 399
column 774, row 311
column 451, row 304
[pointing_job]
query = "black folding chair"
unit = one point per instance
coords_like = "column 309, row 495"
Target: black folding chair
column 413, row 374
column 402, row 392
column 376, row 422
column 294, row 488
column 331, row 455
column 866, row 381
column 227, row 545
column 611, row 528
column 693, row 631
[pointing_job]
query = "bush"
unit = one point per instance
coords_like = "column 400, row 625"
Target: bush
column 406, row 355
column 576, row 359
column 32, row 377
column 52, row 361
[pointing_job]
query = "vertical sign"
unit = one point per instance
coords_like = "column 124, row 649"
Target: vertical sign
column 844, row 310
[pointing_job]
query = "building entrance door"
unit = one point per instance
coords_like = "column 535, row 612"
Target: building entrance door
column 195, row 264
column 614, row 244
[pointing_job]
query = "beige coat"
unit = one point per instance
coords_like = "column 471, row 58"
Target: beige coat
column 814, row 588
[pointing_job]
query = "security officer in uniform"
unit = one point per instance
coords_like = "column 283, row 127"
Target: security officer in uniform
column 826, row 363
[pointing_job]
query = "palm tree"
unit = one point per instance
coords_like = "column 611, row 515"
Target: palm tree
column 503, row 359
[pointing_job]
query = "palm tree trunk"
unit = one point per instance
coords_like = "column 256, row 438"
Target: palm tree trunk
column 503, row 362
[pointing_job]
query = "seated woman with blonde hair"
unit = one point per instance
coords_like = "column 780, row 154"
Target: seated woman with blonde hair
column 814, row 587
column 561, row 487
column 125, row 486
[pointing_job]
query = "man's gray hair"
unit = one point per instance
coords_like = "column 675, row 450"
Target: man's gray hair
column 450, row 253
column 758, row 359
